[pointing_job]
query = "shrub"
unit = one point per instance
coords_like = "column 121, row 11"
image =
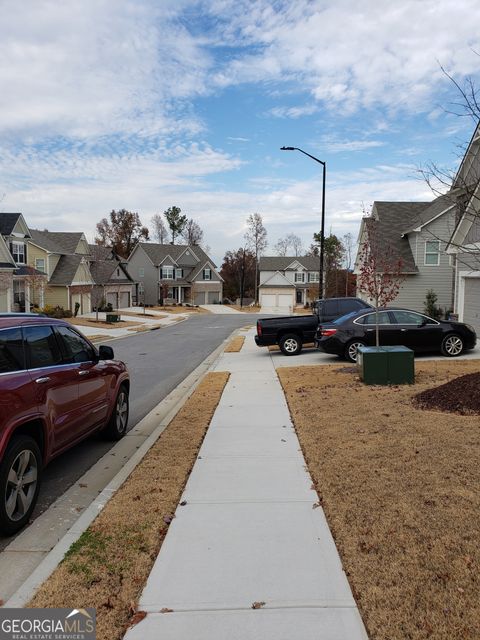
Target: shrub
column 430, row 306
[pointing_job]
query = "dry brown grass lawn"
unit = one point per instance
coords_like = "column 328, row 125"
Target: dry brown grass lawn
column 235, row 344
column 108, row 566
column 100, row 324
column 400, row 488
column 252, row 309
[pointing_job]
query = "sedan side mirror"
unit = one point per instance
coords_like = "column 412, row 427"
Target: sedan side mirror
column 105, row 353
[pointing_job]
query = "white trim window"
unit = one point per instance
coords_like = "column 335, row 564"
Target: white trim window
column 167, row 273
column 207, row 274
column 178, row 274
column 18, row 252
column 432, row 253
column 40, row 264
column 314, row 276
column 141, row 272
column 299, row 276
column 141, row 289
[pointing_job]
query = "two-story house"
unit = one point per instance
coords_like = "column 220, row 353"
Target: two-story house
column 287, row 282
column 113, row 283
column 64, row 257
column 464, row 245
column 20, row 284
column 174, row 273
column 417, row 233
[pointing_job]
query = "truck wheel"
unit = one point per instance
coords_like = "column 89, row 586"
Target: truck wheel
column 290, row 344
column 19, row 483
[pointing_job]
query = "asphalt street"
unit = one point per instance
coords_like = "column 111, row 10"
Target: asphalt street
column 158, row 361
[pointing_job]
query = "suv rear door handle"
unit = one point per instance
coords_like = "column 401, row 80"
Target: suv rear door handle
column 83, row 372
column 41, row 380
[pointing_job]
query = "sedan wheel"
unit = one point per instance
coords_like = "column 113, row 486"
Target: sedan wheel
column 19, row 484
column 351, row 350
column 452, row 346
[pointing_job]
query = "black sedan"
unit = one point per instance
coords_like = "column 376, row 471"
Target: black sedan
column 396, row 327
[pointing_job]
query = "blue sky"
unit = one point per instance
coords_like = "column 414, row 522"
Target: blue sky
column 148, row 104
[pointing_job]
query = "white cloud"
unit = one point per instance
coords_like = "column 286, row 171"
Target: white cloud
column 293, row 112
column 333, row 145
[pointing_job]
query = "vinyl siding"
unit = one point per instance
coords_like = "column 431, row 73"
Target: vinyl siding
column 82, row 275
column 140, row 260
column 474, row 234
column 52, row 263
column 34, row 253
column 437, row 277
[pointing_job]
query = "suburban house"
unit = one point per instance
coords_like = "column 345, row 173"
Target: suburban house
column 286, row 282
column 174, row 273
column 19, row 283
column 464, row 245
column 64, row 258
column 113, row 284
column 418, row 234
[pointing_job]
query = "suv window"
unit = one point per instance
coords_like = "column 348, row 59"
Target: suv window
column 42, row 347
column 329, row 308
column 12, row 357
column 410, row 317
column 345, row 306
column 75, row 348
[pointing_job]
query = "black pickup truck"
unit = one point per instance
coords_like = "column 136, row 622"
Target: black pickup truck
column 292, row 332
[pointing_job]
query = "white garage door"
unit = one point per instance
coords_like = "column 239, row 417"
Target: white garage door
column 471, row 307
column 86, row 303
column 268, row 300
column 200, row 297
column 280, row 303
column 284, row 300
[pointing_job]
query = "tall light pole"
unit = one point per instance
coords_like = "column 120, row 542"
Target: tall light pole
column 322, row 226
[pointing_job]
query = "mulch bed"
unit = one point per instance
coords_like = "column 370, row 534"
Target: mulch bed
column 461, row 395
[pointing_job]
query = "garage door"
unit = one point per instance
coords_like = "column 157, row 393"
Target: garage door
column 284, row 300
column 124, row 299
column 213, row 297
column 268, row 299
column 281, row 303
column 471, row 307
column 86, row 303
column 200, row 297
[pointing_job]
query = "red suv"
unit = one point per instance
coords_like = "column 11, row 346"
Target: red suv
column 55, row 390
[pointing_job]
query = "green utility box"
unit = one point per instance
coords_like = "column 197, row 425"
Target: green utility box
column 386, row 365
column 113, row 317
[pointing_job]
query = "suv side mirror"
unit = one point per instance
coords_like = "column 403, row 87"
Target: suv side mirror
column 105, row 353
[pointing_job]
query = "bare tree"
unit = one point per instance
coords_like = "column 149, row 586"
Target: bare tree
column 347, row 242
column 192, row 233
column 160, row 231
column 290, row 242
column 380, row 271
column 256, row 237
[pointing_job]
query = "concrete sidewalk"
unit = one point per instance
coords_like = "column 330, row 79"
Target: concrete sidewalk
column 249, row 556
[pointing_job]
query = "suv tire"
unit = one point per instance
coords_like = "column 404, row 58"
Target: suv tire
column 290, row 344
column 117, row 425
column 20, row 475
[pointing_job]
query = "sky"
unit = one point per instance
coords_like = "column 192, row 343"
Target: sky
column 145, row 104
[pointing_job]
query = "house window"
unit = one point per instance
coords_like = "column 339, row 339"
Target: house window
column 141, row 273
column 314, row 276
column 299, row 277
column 140, row 288
column 18, row 291
column 207, row 274
column 118, row 272
column 432, row 252
column 40, row 264
column 167, row 273
column 18, row 252
column 178, row 274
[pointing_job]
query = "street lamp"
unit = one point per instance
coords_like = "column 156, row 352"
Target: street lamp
column 322, row 227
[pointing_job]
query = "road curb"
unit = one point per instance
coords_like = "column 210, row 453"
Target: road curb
column 164, row 412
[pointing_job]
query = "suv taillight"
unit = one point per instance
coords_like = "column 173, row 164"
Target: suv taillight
column 328, row 332
column 259, row 328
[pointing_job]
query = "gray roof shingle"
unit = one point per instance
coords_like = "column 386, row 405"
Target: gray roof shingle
column 8, row 222
column 158, row 252
column 280, row 263
column 66, row 269
column 64, row 242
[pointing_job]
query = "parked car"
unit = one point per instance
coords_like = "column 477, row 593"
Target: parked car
column 56, row 388
column 292, row 332
column 396, row 327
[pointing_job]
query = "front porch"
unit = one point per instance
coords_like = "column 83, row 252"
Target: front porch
column 178, row 294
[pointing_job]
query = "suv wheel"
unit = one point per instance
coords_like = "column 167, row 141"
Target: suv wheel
column 290, row 344
column 351, row 350
column 19, row 483
column 117, row 425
